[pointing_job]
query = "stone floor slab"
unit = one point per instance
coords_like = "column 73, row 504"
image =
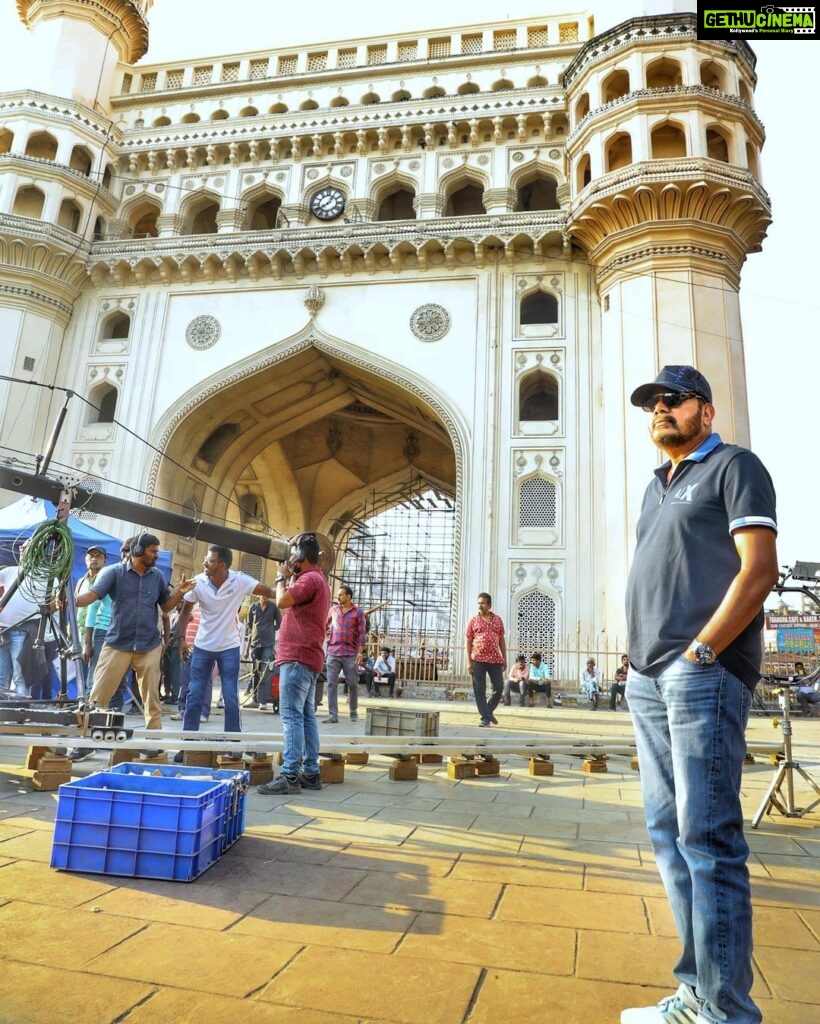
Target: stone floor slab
column 589, row 910
column 426, row 893
column 173, row 1006
column 414, row 992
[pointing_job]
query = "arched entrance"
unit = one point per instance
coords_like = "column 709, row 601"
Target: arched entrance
column 305, row 435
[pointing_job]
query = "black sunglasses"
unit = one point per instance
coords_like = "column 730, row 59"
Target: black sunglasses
column 671, row 399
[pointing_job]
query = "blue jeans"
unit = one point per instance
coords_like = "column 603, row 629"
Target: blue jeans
column 202, row 664
column 300, row 733
column 11, row 671
column 689, row 728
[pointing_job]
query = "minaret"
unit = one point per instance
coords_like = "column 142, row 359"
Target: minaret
column 77, row 44
column 663, row 157
column 57, row 160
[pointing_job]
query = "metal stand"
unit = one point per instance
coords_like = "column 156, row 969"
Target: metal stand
column 785, row 771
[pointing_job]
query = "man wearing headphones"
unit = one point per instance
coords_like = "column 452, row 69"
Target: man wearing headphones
column 137, row 590
column 303, row 595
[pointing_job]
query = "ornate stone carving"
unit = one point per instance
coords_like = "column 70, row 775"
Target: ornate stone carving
column 430, row 322
column 314, row 300
column 203, row 331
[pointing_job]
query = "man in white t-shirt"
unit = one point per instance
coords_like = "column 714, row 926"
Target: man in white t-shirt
column 14, row 617
column 220, row 592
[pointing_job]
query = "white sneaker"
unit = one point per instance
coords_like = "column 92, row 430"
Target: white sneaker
column 681, row 1008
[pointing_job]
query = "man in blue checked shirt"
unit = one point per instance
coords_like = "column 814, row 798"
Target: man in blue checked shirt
column 704, row 562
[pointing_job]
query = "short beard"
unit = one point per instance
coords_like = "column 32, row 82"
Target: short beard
column 677, row 434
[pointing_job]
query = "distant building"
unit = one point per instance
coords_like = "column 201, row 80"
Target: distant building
column 302, row 273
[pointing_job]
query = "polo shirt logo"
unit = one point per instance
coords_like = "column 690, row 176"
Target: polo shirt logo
column 686, row 492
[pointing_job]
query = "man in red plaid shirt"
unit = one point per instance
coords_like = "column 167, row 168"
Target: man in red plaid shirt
column 346, row 637
column 486, row 656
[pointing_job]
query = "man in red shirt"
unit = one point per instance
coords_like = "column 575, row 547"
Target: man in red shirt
column 303, row 595
column 486, row 656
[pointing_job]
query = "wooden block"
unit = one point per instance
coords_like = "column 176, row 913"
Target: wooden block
column 48, row 782
column 431, row 758
column 58, row 763
column 634, row 763
column 461, row 769
column 159, row 759
column 749, row 758
column 356, row 757
column 34, row 755
column 404, row 771
column 487, row 766
column 279, row 759
column 595, row 764
column 122, row 756
column 199, row 758
column 541, row 766
column 261, row 773
column 331, row 771
column 226, row 761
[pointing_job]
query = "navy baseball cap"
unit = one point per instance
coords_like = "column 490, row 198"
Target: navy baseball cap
column 674, row 378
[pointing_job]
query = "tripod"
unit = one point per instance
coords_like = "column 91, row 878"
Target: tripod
column 785, row 770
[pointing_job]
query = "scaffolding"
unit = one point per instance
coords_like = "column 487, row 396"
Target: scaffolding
column 399, row 562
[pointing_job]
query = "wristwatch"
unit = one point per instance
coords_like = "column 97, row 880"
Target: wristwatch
column 281, row 579
column 704, row 655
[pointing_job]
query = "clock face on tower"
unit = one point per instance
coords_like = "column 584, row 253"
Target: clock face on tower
column 327, row 203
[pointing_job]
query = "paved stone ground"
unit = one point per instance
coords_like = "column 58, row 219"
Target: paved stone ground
column 533, row 900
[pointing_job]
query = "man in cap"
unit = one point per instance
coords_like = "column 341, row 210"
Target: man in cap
column 704, row 562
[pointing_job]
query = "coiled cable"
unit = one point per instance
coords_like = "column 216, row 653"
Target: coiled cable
column 46, row 560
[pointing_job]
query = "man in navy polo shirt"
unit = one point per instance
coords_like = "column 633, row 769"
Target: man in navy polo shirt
column 704, row 562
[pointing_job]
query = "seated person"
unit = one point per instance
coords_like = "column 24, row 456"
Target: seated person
column 591, row 683
column 619, row 686
column 539, row 679
column 384, row 671
column 364, row 670
column 808, row 695
column 519, row 674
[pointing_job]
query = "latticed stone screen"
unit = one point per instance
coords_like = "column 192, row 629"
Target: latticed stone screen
column 440, row 47
column 536, row 627
column 230, row 72
column 287, row 65
column 471, row 43
column 203, row 75
column 173, row 79
column 317, row 61
column 537, row 36
column 347, row 58
column 568, row 33
column 537, row 504
column 376, row 54
column 149, row 82
column 504, row 39
column 407, row 51
column 258, row 69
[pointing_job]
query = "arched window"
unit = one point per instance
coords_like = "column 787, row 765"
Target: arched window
column 583, row 172
column 614, row 86
column 29, row 202
column 118, row 325
column 540, row 193
column 162, row 122
column 435, row 92
column 468, row 89
column 220, row 115
column 252, row 511
column 538, row 307
column 465, row 202
column 99, row 229
column 217, row 442
column 618, row 151
column 191, row 118
column 536, row 621
column 104, row 397
column 248, row 112
column 401, row 96
column 6, row 140
column 745, row 92
column 663, row 74
column 107, row 175
column 369, row 98
column 713, row 75
column 751, row 160
column 537, row 504
column 340, row 101
column 717, row 147
column 397, row 205
column 668, row 142
column 263, row 213
column 42, row 145
column 279, row 108
column 143, row 221
column 81, row 160
column 581, row 107
column 69, row 216
column 201, row 219
column 502, row 85
column 538, row 398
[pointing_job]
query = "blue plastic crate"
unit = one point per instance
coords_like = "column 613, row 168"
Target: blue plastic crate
column 240, row 782
column 143, row 826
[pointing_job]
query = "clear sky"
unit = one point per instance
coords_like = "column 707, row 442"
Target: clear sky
column 780, row 289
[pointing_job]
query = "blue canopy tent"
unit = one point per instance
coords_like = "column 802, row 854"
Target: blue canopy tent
column 20, row 519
